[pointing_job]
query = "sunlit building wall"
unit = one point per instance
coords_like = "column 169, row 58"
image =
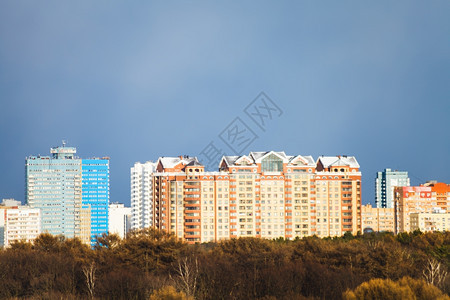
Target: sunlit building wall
column 19, row 223
column 264, row 194
column 438, row 220
column 425, row 198
column 377, row 219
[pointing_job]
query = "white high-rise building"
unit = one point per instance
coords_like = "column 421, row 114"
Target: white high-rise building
column 141, row 194
column 119, row 219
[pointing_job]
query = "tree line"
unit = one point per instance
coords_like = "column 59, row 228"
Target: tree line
column 151, row 264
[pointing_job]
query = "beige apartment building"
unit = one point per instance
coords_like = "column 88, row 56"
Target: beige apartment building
column 438, row 220
column 19, row 223
column 263, row 194
column 84, row 232
column 377, row 219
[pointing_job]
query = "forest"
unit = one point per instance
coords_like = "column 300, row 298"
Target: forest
column 151, row 264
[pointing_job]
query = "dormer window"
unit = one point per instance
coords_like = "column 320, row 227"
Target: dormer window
column 272, row 163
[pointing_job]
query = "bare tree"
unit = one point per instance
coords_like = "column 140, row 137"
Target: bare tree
column 188, row 274
column 434, row 273
column 89, row 275
column 374, row 245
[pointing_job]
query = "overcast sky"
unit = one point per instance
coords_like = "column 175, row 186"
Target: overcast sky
column 138, row 80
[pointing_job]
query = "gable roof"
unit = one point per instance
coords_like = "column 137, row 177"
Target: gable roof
column 306, row 160
column 171, row 162
column 336, row 161
column 229, row 160
column 244, row 158
column 259, row 156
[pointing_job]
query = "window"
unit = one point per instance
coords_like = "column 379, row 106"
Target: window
column 272, row 163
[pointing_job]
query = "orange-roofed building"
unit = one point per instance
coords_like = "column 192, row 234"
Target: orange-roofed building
column 425, row 198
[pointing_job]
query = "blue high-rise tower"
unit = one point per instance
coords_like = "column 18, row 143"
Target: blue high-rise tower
column 72, row 193
column 95, row 193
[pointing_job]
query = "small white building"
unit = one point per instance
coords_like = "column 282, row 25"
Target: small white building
column 119, row 219
column 10, row 202
column 19, row 223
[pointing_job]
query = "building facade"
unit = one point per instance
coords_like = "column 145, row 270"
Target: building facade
column 54, row 186
column 19, row 223
column 119, row 219
column 338, row 188
column 95, row 193
column 384, row 186
column 142, row 194
column 71, row 193
column 438, row 220
column 377, row 219
column 264, row 194
column 425, row 198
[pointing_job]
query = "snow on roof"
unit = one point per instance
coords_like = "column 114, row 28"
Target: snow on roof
column 243, row 158
column 170, row 162
column 256, row 157
column 229, row 160
column 308, row 160
column 332, row 161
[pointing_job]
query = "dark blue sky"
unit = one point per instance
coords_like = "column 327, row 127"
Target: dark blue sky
column 135, row 81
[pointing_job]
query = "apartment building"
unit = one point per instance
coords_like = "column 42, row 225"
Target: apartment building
column 142, row 194
column 71, row 193
column 263, row 194
column 438, row 220
column 425, row 198
column 377, row 219
column 119, row 219
column 19, row 223
column 95, row 195
column 338, row 188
